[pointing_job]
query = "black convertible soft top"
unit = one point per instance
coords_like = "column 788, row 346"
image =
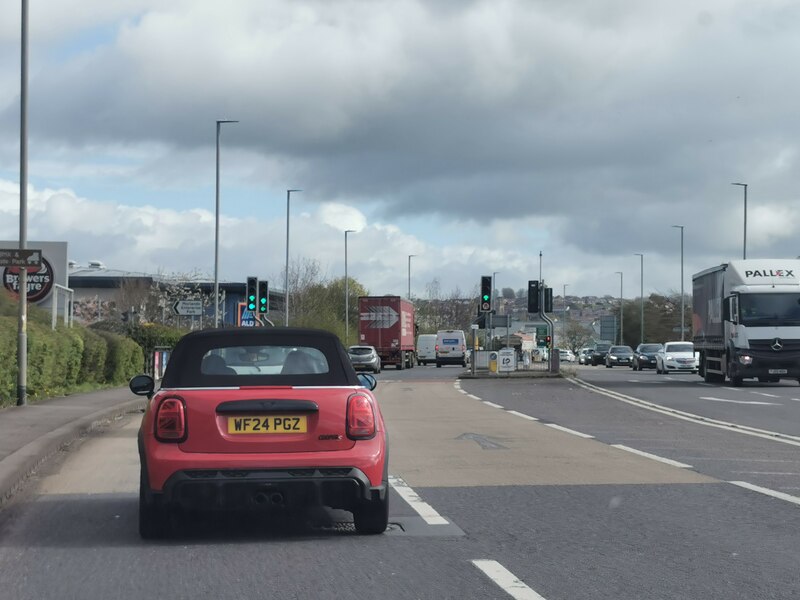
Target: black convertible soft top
column 183, row 369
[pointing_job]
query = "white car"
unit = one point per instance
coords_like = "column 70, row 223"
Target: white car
column 566, row 356
column 677, row 357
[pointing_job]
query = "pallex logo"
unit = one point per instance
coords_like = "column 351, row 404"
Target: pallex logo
column 40, row 281
column 770, row 273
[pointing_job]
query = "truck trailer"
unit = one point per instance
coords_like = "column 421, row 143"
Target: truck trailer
column 387, row 323
column 746, row 320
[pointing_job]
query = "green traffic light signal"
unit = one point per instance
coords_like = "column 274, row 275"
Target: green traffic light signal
column 485, row 297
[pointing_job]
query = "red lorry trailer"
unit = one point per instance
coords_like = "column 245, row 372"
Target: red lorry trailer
column 387, row 323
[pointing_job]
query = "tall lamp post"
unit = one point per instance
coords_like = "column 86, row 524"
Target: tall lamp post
column 409, row 274
column 346, row 292
column 744, row 243
column 641, row 293
column 683, row 328
column 286, row 272
column 22, row 326
column 216, row 231
column 621, row 314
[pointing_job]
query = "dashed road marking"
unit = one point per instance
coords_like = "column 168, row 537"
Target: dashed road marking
column 492, row 404
column 667, row 461
column 570, row 431
column 473, row 396
column 765, row 394
column 423, row 509
column 506, row 580
column 767, row 491
column 755, row 402
column 523, row 415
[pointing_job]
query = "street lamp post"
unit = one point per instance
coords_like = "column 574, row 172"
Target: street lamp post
column 216, row 231
column 621, row 313
column 565, row 300
column 744, row 243
column 22, row 326
column 683, row 328
column 409, row 274
column 641, row 293
column 346, row 292
column 286, row 272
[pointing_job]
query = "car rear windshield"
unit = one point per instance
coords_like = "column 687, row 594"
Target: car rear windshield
column 359, row 350
column 621, row 350
column 238, row 358
column 602, row 347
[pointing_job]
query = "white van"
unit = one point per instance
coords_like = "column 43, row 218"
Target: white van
column 451, row 347
column 426, row 348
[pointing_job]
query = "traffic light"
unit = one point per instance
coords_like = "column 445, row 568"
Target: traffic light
column 263, row 297
column 548, row 300
column 486, row 293
column 533, row 297
column 251, row 295
column 548, row 340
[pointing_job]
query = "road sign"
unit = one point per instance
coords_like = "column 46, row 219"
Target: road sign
column 20, row 258
column 188, row 308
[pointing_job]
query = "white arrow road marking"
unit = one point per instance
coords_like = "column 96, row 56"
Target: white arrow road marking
column 740, row 401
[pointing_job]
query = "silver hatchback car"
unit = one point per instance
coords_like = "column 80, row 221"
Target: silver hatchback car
column 364, row 358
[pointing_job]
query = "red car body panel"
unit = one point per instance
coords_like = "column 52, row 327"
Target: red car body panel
column 209, row 446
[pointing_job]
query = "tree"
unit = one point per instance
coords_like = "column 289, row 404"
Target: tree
column 576, row 335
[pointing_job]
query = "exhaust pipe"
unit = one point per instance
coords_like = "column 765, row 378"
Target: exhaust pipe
column 276, row 498
column 261, row 499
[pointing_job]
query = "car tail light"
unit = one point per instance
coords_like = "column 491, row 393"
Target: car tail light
column 360, row 417
column 171, row 420
column 436, row 348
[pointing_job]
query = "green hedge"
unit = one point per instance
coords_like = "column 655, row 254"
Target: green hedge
column 125, row 358
column 63, row 360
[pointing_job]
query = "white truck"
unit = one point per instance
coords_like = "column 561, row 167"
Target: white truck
column 746, row 320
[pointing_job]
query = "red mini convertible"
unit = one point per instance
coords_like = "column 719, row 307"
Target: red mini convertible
column 255, row 419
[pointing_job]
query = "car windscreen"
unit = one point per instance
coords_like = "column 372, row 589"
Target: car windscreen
column 650, row 348
column 680, row 348
column 621, row 350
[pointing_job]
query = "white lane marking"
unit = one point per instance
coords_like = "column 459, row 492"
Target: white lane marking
column 733, row 389
column 767, row 491
column 571, row 431
column 667, row 461
column 465, row 392
column 523, row 415
column 795, row 399
column 424, row 510
column 492, row 404
column 765, row 394
column 757, row 402
column 506, row 580
column 765, row 434
column 706, row 384
column 763, row 473
column 473, row 396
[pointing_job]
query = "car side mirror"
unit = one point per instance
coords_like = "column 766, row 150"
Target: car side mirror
column 368, row 381
column 142, row 385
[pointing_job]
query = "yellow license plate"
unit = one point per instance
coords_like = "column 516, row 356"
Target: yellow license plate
column 268, row 424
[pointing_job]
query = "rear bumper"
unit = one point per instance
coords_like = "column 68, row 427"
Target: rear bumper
column 229, row 489
column 451, row 360
column 370, row 366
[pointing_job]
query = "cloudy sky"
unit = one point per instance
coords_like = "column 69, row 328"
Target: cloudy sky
column 473, row 134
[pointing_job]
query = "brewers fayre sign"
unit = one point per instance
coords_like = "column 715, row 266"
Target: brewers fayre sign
column 40, row 280
column 43, row 277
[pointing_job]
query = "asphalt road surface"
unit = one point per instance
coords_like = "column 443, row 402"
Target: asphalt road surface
column 501, row 489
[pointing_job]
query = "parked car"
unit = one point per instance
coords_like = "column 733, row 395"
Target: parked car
column 644, row 357
column 599, row 353
column 426, row 348
column 584, row 356
column 677, row 357
column 364, row 358
column 619, row 356
column 262, row 419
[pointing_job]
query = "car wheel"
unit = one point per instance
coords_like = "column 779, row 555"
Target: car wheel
column 372, row 518
column 377, row 369
column 438, row 365
column 153, row 518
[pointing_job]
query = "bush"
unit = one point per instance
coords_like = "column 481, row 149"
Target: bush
column 93, row 361
column 8, row 358
column 124, row 359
